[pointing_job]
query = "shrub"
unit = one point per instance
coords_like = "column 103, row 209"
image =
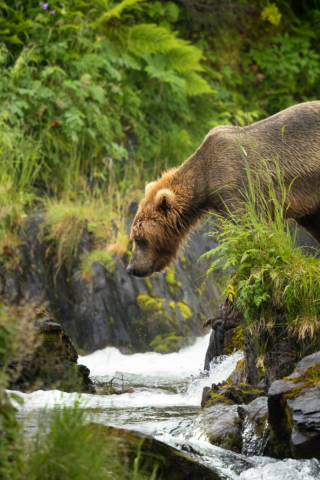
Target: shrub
column 270, row 274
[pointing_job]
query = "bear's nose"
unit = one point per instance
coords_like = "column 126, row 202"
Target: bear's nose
column 130, row 270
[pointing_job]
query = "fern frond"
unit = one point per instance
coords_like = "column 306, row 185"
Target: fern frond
column 114, row 12
column 195, row 84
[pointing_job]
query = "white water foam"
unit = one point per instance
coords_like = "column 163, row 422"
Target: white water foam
column 288, row 469
column 185, row 364
column 166, row 412
column 188, row 361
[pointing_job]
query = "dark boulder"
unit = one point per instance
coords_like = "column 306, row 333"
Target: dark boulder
column 170, row 463
column 220, row 420
column 51, row 363
column 220, row 425
column 294, row 411
column 281, row 350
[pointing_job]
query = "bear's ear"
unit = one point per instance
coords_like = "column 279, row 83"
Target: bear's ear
column 148, row 186
column 165, row 199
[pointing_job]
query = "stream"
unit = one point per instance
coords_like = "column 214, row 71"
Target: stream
column 166, row 398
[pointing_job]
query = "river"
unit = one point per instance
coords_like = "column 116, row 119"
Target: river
column 166, row 398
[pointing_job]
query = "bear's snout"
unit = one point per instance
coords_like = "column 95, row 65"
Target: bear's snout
column 130, row 270
column 140, row 273
column 140, row 269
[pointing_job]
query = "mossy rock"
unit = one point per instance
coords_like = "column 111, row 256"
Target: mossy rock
column 294, row 412
column 185, row 310
column 167, row 343
column 238, row 374
column 233, row 395
column 153, row 455
column 53, row 362
column 234, row 340
column 172, row 283
column 150, row 305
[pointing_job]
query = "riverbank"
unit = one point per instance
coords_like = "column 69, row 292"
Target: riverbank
column 165, row 402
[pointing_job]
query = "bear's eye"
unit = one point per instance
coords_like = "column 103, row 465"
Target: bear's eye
column 141, row 242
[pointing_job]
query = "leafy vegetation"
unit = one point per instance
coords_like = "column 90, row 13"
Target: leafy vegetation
column 270, row 274
column 98, row 97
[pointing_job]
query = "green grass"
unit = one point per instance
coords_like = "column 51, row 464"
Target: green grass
column 104, row 257
column 66, row 447
column 269, row 273
column 66, row 222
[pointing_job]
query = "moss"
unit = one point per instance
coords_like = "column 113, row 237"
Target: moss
column 184, row 263
column 149, row 286
column 219, row 398
column 185, row 310
column 231, row 395
column 202, row 289
column 104, row 257
column 49, row 341
column 167, row 343
column 172, row 305
column 234, row 340
column 150, row 305
column 309, row 379
column 183, row 259
column 173, row 284
column 289, row 418
column 312, row 375
column 293, row 392
column 170, row 277
column 234, row 441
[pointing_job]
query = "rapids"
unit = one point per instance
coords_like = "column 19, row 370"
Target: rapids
column 166, row 398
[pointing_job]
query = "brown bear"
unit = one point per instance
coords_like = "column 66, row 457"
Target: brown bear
column 214, row 176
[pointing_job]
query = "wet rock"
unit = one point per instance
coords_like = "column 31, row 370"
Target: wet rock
column 220, row 424
column 255, row 428
column 205, row 396
column 227, row 333
column 52, row 364
column 294, row 411
column 238, row 374
column 280, row 357
column 234, row 340
column 171, row 463
column 228, row 413
column 231, row 395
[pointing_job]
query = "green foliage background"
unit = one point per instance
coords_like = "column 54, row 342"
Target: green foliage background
column 116, row 92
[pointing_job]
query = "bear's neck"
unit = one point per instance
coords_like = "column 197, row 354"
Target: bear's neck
column 192, row 182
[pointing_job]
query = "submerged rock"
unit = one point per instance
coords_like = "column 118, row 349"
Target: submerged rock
column 234, row 418
column 221, row 425
column 255, row 428
column 294, row 411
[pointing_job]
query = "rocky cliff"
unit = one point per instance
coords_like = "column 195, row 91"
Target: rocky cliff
column 160, row 313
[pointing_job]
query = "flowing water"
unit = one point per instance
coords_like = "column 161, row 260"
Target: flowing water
column 166, row 397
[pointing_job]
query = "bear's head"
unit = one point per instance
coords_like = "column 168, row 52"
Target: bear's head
column 157, row 231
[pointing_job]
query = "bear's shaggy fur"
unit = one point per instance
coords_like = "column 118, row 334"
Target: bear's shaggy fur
column 213, row 177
